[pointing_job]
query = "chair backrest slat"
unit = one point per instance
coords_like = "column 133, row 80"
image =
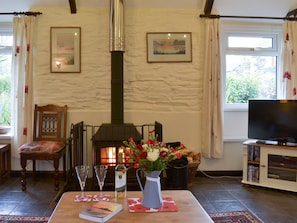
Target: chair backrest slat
column 50, row 123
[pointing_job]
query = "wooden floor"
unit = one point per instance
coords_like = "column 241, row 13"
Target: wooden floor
column 214, row 194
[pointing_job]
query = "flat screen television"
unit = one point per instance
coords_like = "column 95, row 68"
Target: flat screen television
column 273, row 121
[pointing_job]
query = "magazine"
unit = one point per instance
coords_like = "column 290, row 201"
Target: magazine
column 101, row 211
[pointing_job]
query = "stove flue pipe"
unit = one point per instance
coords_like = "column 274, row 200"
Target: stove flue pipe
column 117, row 47
column 117, row 25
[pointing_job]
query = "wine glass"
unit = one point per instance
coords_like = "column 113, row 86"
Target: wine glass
column 82, row 174
column 100, row 171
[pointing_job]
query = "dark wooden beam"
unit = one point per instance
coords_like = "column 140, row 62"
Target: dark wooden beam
column 292, row 13
column 208, row 7
column 72, row 4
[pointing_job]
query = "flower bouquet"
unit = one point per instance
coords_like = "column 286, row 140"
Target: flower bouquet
column 153, row 155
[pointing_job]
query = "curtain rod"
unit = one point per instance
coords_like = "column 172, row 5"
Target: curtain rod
column 21, row 13
column 246, row 17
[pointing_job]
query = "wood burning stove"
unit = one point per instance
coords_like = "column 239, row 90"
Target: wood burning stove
column 106, row 144
column 111, row 136
column 107, row 141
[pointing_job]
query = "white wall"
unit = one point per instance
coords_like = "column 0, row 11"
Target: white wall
column 168, row 92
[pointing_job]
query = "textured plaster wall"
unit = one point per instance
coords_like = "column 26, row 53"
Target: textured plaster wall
column 168, row 92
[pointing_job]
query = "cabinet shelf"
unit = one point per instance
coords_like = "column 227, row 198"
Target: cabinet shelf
column 270, row 166
column 254, row 162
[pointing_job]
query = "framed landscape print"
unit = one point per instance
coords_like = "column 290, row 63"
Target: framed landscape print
column 169, row 47
column 65, row 49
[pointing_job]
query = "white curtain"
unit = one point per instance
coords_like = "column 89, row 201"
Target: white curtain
column 289, row 79
column 22, row 80
column 212, row 130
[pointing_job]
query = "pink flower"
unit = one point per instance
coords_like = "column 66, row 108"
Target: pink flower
column 131, row 140
column 151, row 132
column 179, row 155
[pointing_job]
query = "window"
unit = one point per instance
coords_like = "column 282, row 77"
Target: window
column 6, row 42
column 250, row 63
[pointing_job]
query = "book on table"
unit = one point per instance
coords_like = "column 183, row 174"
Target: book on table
column 101, row 211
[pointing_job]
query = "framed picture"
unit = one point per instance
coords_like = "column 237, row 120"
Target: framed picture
column 169, row 47
column 65, row 49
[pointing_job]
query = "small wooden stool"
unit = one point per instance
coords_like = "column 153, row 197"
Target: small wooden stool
column 5, row 161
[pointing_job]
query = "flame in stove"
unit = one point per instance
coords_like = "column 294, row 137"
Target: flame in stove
column 108, row 156
column 111, row 155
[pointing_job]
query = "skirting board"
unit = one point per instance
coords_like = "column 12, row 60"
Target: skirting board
column 233, row 173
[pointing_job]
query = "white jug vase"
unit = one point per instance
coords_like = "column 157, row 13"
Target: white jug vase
column 152, row 197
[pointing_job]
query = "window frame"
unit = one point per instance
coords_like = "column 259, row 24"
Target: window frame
column 246, row 29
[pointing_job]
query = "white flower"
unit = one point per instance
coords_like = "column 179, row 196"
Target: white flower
column 164, row 149
column 153, row 154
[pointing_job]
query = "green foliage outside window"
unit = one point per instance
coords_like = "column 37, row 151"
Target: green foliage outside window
column 5, row 104
column 250, row 77
column 5, row 89
column 239, row 89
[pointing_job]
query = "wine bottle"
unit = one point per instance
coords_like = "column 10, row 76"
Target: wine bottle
column 120, row 178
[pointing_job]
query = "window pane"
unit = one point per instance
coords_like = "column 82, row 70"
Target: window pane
column 250, row 77
column 250, row 42
column 5, row 80
column 5, row 64
column 5, row 41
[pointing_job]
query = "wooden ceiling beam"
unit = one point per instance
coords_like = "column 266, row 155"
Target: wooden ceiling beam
column 72, row 4
column 292, row 13
column 208, row 7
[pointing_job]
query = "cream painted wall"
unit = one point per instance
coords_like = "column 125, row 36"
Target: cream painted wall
column 167, row 92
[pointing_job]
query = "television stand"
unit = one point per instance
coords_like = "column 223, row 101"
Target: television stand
column 279, row 143
column 282, row 142
column 272, row 166
column 266, row 142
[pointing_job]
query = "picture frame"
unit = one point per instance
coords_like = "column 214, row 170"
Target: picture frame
column 164, row 47
column 65, row 49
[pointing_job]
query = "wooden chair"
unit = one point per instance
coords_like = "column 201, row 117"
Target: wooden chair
column 49, row 140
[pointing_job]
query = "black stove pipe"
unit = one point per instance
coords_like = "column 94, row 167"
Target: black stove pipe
column 117, row 92
column 117, row 47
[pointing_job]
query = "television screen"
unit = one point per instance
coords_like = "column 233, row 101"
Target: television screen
column 274, row 120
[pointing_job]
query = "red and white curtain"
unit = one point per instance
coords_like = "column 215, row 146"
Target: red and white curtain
column 22, row 80
column 289, row 78
column 212, row 126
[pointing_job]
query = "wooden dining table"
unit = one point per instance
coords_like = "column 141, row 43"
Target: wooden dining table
column 189, row 209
